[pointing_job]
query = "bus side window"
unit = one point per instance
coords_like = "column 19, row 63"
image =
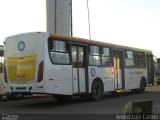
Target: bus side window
column 94, row 55
column 129, row 59
column 140, row 60
column 59, row 53
column 74, row 57
column 81, row 56
column 59, row 46
column 106, row 57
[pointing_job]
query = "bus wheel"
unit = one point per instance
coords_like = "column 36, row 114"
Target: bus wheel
column 63, row 98
column 97, row 90
column 141, row 89
column 142, row 86
column 14, row 96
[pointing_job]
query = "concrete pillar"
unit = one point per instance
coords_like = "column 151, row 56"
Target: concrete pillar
column 59, row 18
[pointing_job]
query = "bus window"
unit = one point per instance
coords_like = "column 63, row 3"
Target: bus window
column 81, row 56
column 140, row 59
column 106, row 57
column 59, row 46
column 74, row 57
column 129, row 59
column 94, row 56
column 59, row 53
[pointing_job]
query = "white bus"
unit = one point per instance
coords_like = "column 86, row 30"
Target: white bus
column 64, row 66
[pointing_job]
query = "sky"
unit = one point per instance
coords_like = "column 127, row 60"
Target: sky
column 133, row 23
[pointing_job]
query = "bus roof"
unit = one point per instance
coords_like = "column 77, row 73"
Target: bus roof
column 93, row 42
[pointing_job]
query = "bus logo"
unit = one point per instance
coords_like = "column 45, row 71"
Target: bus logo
column 93, row 72
column 21, row 46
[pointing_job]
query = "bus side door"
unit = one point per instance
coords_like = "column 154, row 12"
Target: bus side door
column 119, row 69
column 150, row 69
column 79, row 68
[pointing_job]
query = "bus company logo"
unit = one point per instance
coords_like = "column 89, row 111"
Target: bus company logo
column 93, row 72
column 21, row 45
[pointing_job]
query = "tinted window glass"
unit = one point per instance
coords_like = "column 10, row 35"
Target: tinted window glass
column 94, row 56
column 106, row 57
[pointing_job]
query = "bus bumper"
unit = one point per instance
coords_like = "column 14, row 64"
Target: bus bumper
column 25, row 88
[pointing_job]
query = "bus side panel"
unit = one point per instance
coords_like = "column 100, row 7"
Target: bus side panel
column 133, row 77
column 58, row 79
column 110, row 82
column 106, row 74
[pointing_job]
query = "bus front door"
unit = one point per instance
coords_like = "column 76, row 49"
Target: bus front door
column 118, row 69
column 79, row 69
column 150, row 69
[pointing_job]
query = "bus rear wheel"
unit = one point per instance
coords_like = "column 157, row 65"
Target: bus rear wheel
column 97, row 91
column 142, row 87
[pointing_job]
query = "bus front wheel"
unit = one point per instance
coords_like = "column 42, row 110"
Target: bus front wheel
column 97, row 90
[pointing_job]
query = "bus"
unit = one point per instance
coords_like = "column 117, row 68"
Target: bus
column 40, row 62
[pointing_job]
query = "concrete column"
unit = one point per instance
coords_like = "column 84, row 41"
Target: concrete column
column 59, row 16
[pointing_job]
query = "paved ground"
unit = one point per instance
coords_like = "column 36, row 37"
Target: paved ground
column 111, row 104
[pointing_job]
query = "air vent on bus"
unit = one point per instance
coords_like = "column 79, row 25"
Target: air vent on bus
column 40, row 72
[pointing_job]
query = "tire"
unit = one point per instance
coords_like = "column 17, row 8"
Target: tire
column 63, row 98
column 142, row 87
column 97, row 91
column 14, row 96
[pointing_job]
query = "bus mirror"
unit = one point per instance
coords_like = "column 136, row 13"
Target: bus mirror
column 138, row 107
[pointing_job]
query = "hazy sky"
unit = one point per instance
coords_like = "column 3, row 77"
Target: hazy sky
column 127, row 22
